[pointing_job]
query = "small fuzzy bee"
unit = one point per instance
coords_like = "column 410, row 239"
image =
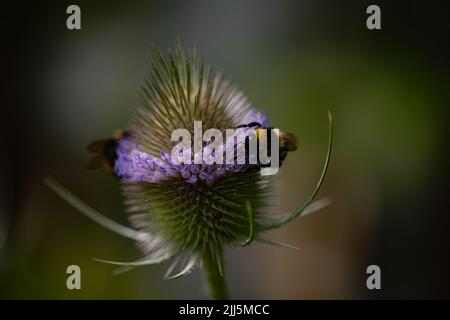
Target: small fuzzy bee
column 105, row 152
column 287, row 141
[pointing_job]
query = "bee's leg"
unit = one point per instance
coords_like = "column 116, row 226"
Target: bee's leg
column 283, row 155
column 249, row 125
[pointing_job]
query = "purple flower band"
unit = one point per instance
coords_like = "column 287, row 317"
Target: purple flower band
column 134, row 165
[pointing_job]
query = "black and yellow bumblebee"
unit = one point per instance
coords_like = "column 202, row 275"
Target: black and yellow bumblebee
column 287, row 141
column 105, row 152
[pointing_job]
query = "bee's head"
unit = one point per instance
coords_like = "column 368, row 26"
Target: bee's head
column 288, row 141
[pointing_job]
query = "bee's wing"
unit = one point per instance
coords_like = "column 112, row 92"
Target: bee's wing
column 98, row 146
column 95, row 163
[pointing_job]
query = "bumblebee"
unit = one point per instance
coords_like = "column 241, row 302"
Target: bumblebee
column 287, row 141
column 105, row 154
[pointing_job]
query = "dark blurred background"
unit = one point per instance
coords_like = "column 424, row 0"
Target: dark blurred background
column 388, row 90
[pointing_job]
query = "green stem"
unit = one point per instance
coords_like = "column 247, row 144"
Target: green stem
column 214, row 276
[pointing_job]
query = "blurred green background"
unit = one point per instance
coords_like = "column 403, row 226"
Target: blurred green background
column 388, row 92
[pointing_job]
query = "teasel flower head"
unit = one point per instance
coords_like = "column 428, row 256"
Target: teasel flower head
column 190, row 212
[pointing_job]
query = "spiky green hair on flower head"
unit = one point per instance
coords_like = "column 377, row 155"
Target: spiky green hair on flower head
column 191, row 212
